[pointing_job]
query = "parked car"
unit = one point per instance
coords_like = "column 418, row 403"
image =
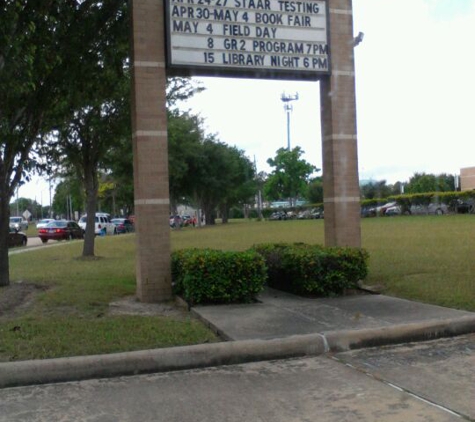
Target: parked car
column 463, row 207
column 18, row 223
column 43, row 223
column 395, row 210
column 103, row 224
column 175, row 221
column 437, row 209
column 368, row 212
column 278, row 215
column 61, row 230
column 188, row 220
column 381, row 210
column 304, row 215
column 318, row 213
column 16, row 238
column 291, row 215
column 123, row 225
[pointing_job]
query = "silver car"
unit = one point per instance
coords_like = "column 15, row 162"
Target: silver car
column 437, row 209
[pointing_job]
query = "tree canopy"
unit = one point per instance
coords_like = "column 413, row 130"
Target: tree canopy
column 204, row 171
column 375, row 189
column 94, row 113
column 290, row 176
column 422, row 182
column 32, row 76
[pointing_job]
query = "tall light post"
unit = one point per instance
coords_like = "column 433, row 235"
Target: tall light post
column 286, row 99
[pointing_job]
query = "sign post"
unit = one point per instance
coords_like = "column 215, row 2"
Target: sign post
column 339, row 137
column 272, row 39
column 149, row 137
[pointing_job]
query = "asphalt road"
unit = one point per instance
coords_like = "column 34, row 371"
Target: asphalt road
column 431, row 381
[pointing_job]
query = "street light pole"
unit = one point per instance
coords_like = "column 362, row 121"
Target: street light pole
column 286, row 99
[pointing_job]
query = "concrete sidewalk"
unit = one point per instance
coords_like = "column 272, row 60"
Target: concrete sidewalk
column 279, row 326
column 279, row 314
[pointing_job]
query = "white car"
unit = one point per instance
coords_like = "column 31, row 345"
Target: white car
column 43, row 223
column 18, row 223
column 103, row 224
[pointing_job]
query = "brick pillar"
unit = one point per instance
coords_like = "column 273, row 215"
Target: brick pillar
column 339, row 141
column 149, row 132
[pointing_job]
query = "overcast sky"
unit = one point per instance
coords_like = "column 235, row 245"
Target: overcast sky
column 415, row 73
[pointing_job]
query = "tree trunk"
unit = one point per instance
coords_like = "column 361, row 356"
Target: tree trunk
column 91, row 187
column 4, row 230
column 210, row 215
column 224, row 214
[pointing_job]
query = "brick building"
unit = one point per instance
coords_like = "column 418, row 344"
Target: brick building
column 467, row 178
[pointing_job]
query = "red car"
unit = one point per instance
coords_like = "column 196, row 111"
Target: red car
column 123, row 225
column 61, row 230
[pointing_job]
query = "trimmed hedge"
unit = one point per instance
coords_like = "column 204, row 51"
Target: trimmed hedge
column 313, row 269
column 212, row 276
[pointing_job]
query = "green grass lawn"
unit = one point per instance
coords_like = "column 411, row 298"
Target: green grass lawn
column 32, row 230
column 425, row 258
column 70, row 317
column 429, row 259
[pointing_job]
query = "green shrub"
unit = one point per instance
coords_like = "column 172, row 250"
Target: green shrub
column 212, row 276
column 313, row 269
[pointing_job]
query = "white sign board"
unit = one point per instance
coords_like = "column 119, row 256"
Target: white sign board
column 267, row 37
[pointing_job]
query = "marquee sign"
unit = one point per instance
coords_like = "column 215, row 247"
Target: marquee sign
column 263, row 38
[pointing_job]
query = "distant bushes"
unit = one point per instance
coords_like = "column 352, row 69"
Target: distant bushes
column 211, row 276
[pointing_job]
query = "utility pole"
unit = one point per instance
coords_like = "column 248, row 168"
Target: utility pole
column 286, row 99
column 259, row 192
column 50, row 201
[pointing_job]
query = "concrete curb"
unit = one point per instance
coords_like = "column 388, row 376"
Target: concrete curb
column 340, row 341
column 157, row 360
column 227, row 353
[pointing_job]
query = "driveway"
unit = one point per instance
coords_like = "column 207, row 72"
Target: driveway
column 36, row 241
column 33, row 243
column 409, row 387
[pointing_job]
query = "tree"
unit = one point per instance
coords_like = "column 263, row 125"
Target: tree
column 210, row 173
column 314, row 193
column 119, row 164
column 210, row 182
column 185, row 139
column 422, row 183
column 31, row 73
column 376, row 189
column 95, row 111
column 180, row 89
column 69, row 190
column 184, row 132
column 290, row 176
column 240, row 180
column 20, row 205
